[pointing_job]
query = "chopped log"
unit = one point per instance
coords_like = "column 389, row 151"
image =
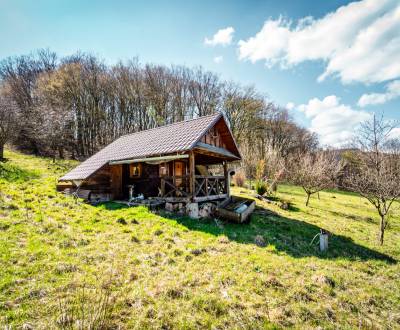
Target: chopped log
column 262, row 198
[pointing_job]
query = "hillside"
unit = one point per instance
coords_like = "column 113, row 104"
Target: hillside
column 67, row 264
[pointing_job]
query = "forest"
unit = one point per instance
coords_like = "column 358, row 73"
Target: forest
column 70, row 107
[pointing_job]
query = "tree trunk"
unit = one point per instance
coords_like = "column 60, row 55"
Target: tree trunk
column 1, row 152
column 382, row 229
column 308, row 198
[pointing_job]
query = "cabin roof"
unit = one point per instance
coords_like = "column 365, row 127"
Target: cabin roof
column 174, row 138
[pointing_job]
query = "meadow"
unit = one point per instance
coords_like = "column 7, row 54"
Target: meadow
column 66, row 264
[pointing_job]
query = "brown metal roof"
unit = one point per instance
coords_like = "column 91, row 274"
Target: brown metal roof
column 173, row 138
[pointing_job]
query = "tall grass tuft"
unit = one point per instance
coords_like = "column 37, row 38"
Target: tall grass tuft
column 261, row 187
column 88, row 307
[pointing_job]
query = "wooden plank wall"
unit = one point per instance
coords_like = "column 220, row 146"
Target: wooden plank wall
column 98, row 183
column 214, row 138
column 220, row 136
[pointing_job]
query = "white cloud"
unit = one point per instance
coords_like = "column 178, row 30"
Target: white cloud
column 392, row 92
column 223, row 37
column 395, row 133
column 357, row 42
column 290, row 106
column 333, row 121
column 218, row 59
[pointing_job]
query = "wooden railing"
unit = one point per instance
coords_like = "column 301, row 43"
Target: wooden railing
column 204, row 186
column 175, row 186
column 209, row 185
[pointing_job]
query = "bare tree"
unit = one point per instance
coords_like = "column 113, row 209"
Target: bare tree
column 275, row 168
column 8, row 119
column 20, row 74
column 376, row 168
column 240, row 107
column 56, row 119
column 205, row 90
column 314, row 172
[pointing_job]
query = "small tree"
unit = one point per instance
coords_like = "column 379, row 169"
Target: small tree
column 376, row 170
column 275, row 169
column 239, row 178
column 260, row 170
column 314, row 172
column 261, row 185
column 8, row 119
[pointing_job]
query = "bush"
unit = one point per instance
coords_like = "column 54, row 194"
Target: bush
column 261, row 187
column 239, row 179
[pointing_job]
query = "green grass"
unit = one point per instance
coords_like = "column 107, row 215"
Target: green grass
column 62, row 261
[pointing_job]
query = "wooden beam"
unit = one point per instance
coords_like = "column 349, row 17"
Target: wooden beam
column 149, row 159
column 176, row 199
column 226, row 175
column 162, row 187
column 221, row 152
column 192, row 188
column 210, row 198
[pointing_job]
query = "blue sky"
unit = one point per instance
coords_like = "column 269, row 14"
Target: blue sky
column 281, row 47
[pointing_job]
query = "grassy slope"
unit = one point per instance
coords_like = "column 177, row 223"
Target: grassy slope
column 180, row 273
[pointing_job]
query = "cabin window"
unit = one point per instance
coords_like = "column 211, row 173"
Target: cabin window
column 135, row 170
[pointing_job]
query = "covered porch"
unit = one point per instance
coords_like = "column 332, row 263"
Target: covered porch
column 198, row 175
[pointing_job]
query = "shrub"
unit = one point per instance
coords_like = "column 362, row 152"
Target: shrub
column 239, row 179
column 261, row 187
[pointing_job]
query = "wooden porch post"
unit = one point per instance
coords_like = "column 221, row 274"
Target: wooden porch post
column 226, row 175
column 162, row 179
column 192, row 188
column 173, row 174
column 162, row 187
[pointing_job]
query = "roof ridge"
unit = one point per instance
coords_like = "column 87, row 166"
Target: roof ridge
column 172, row 124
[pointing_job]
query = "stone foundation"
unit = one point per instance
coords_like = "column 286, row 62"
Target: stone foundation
column 193, row 210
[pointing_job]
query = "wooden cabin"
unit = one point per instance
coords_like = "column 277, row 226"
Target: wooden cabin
column 171, row 162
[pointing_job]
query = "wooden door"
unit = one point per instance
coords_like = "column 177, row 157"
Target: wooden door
column 116, row 181
column 179, row 171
